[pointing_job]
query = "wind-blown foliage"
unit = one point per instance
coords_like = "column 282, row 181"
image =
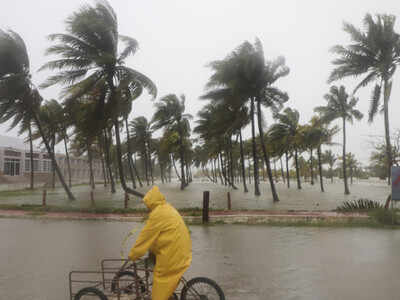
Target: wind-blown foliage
column 90, row 67
column 19, row 98
column 374, row 53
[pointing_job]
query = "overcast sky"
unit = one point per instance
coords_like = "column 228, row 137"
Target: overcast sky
column 178, row 38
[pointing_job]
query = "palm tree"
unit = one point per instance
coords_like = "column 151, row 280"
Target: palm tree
column 141, row 137
column 19, row 98
column 375, row 53
column 286, row 133
column 340, row 105
column 170, row 114
column 91, row 65
column 329, row 158
column 352, row 164
column 243, row 78
column 316, row 134
column 50, row 115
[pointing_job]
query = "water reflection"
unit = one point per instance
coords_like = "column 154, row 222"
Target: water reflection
column 249, row 262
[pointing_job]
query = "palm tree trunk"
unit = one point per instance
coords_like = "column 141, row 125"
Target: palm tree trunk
column 176, row 171
column 242, row 162
column 266, row 156
column 146, row 172
column 151, row 166
column 53, row 142
column 108, row 163
column 91, row 166
column 255, row 160
column 31, row 155
column 102, row 161
column 183, row 183
column 134, row 163
column 128, row 144
column 297, row 169
column 53, row 159
column 346, row 187
column 283, row 175
column 312, row 169
column 120, row 165
column 287, row 169
column 68, row 163
column 320, row 167
column 386, row 96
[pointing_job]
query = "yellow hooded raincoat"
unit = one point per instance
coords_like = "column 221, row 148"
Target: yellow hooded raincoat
column 167, row 236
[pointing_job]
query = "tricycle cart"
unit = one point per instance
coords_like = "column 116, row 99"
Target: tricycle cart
column 133, row 280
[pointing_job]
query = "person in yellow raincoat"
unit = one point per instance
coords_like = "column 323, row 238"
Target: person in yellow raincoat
column 166, row 235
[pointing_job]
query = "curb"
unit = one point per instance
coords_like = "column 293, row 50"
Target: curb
column 226, row 217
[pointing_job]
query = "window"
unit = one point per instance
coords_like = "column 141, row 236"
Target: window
column 47, row 166
column 11, row 166
column 28, row 165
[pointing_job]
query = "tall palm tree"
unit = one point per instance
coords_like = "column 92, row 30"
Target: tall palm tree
column 170, row 114
column 375, row 53
column 340, row 105
column 19, row 98
column 91, row 65
column 268, row 96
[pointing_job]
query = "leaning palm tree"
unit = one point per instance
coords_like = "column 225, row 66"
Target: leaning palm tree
column 268, row 95
column 90, row 64
column 170, row 114
column 376, row 54
column 19, row 98
column 340, row 105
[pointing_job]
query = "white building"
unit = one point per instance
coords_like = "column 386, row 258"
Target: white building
column 15, row 164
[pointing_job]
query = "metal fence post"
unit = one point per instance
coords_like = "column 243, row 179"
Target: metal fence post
column 44, row 197
column 206, row 202
column 126, row 200
column 92, row 198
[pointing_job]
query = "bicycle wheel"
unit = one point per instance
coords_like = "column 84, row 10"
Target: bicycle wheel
column 90, row 293
column 126, row 282
column 202, row 288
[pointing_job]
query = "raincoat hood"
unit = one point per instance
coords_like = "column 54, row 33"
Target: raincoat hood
column 154, row 198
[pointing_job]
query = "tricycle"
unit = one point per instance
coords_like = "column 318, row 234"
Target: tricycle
column 122, row 279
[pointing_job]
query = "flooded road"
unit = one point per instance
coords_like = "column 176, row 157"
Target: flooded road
column 249, row 262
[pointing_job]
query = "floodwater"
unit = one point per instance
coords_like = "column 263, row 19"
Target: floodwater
column 248, row 262
column 308, row 198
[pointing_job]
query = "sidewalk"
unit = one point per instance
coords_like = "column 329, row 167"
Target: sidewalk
column 246, row 217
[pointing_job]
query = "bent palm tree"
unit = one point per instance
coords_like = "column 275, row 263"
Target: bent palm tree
column 339, row 107
column 91, row 65
column 376, row 53
column 19, row 99
column 170, row 114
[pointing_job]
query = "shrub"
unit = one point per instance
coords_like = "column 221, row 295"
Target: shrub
column 358, row 205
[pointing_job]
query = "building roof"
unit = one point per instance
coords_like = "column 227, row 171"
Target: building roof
column 16, row 143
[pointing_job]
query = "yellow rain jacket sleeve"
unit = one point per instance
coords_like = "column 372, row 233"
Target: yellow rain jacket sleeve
column 167, row 236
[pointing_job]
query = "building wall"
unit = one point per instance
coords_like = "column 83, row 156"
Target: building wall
column 15, row 167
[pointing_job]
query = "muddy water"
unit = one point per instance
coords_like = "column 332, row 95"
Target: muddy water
column 249, row 262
